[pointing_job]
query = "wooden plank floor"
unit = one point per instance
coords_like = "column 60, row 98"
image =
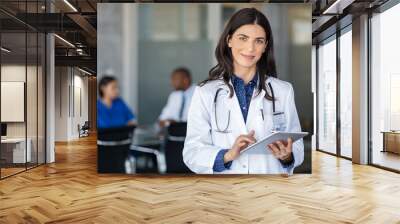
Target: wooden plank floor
column 70, row 191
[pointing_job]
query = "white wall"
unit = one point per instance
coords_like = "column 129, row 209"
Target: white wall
column 33, row 125
column 61, row 103
column 70, row 83
column 16, row 73
column 79, row 117
column 12, row 73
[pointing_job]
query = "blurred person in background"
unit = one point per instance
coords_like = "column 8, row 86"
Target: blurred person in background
column 111, row 109
column 177, row 107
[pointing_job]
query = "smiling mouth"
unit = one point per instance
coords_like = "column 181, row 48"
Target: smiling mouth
column 250, row 57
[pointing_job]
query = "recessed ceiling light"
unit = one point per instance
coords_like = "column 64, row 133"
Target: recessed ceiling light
column 84, row 71
column 70, row 5
column 5, row 50
column 337, row 7
column 64, row 40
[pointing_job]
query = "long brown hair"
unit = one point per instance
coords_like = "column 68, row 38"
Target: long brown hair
column 265, row 65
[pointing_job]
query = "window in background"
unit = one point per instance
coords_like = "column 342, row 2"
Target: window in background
column 15, row 147
column 180, row 22
column 314, row 86
column 346, row 93
column 227, row 12
column 395, row 102
column 32, row 40
column 178, row 39
column 385, row 88
column 31, row 96
column 194, row 26
column 23, row 89
column 41, row 79
column 167, row 28
column 327, row 96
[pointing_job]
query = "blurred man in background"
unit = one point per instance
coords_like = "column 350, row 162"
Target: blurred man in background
column 176, row 109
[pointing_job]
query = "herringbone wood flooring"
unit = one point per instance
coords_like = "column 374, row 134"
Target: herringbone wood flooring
column 70, row 191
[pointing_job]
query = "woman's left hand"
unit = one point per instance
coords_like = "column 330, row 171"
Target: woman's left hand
column 282, row 150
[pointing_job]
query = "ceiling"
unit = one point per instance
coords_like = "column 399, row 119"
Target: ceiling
column 332, row 15
column 76, row 22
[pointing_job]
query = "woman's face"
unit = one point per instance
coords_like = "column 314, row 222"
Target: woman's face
column 247, row 44
column 111, row 90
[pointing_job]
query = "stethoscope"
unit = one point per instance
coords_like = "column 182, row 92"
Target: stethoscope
column 225, row 130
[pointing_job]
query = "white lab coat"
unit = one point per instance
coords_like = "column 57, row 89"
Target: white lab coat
column 172, row 109
column 203, row 142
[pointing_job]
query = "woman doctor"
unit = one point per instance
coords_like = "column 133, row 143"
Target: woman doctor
column 240, row 102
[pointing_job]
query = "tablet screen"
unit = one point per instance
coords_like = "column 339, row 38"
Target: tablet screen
column 260, row 145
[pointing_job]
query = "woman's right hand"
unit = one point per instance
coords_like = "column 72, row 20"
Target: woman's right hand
column 241, row 143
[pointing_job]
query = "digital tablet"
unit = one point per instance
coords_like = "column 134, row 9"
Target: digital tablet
column 261, row 145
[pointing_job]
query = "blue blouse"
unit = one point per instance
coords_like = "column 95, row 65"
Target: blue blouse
column 117, row 115
column 244, row 92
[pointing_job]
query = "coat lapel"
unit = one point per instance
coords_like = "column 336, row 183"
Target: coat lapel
column 237, row 122
column 256, row 105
